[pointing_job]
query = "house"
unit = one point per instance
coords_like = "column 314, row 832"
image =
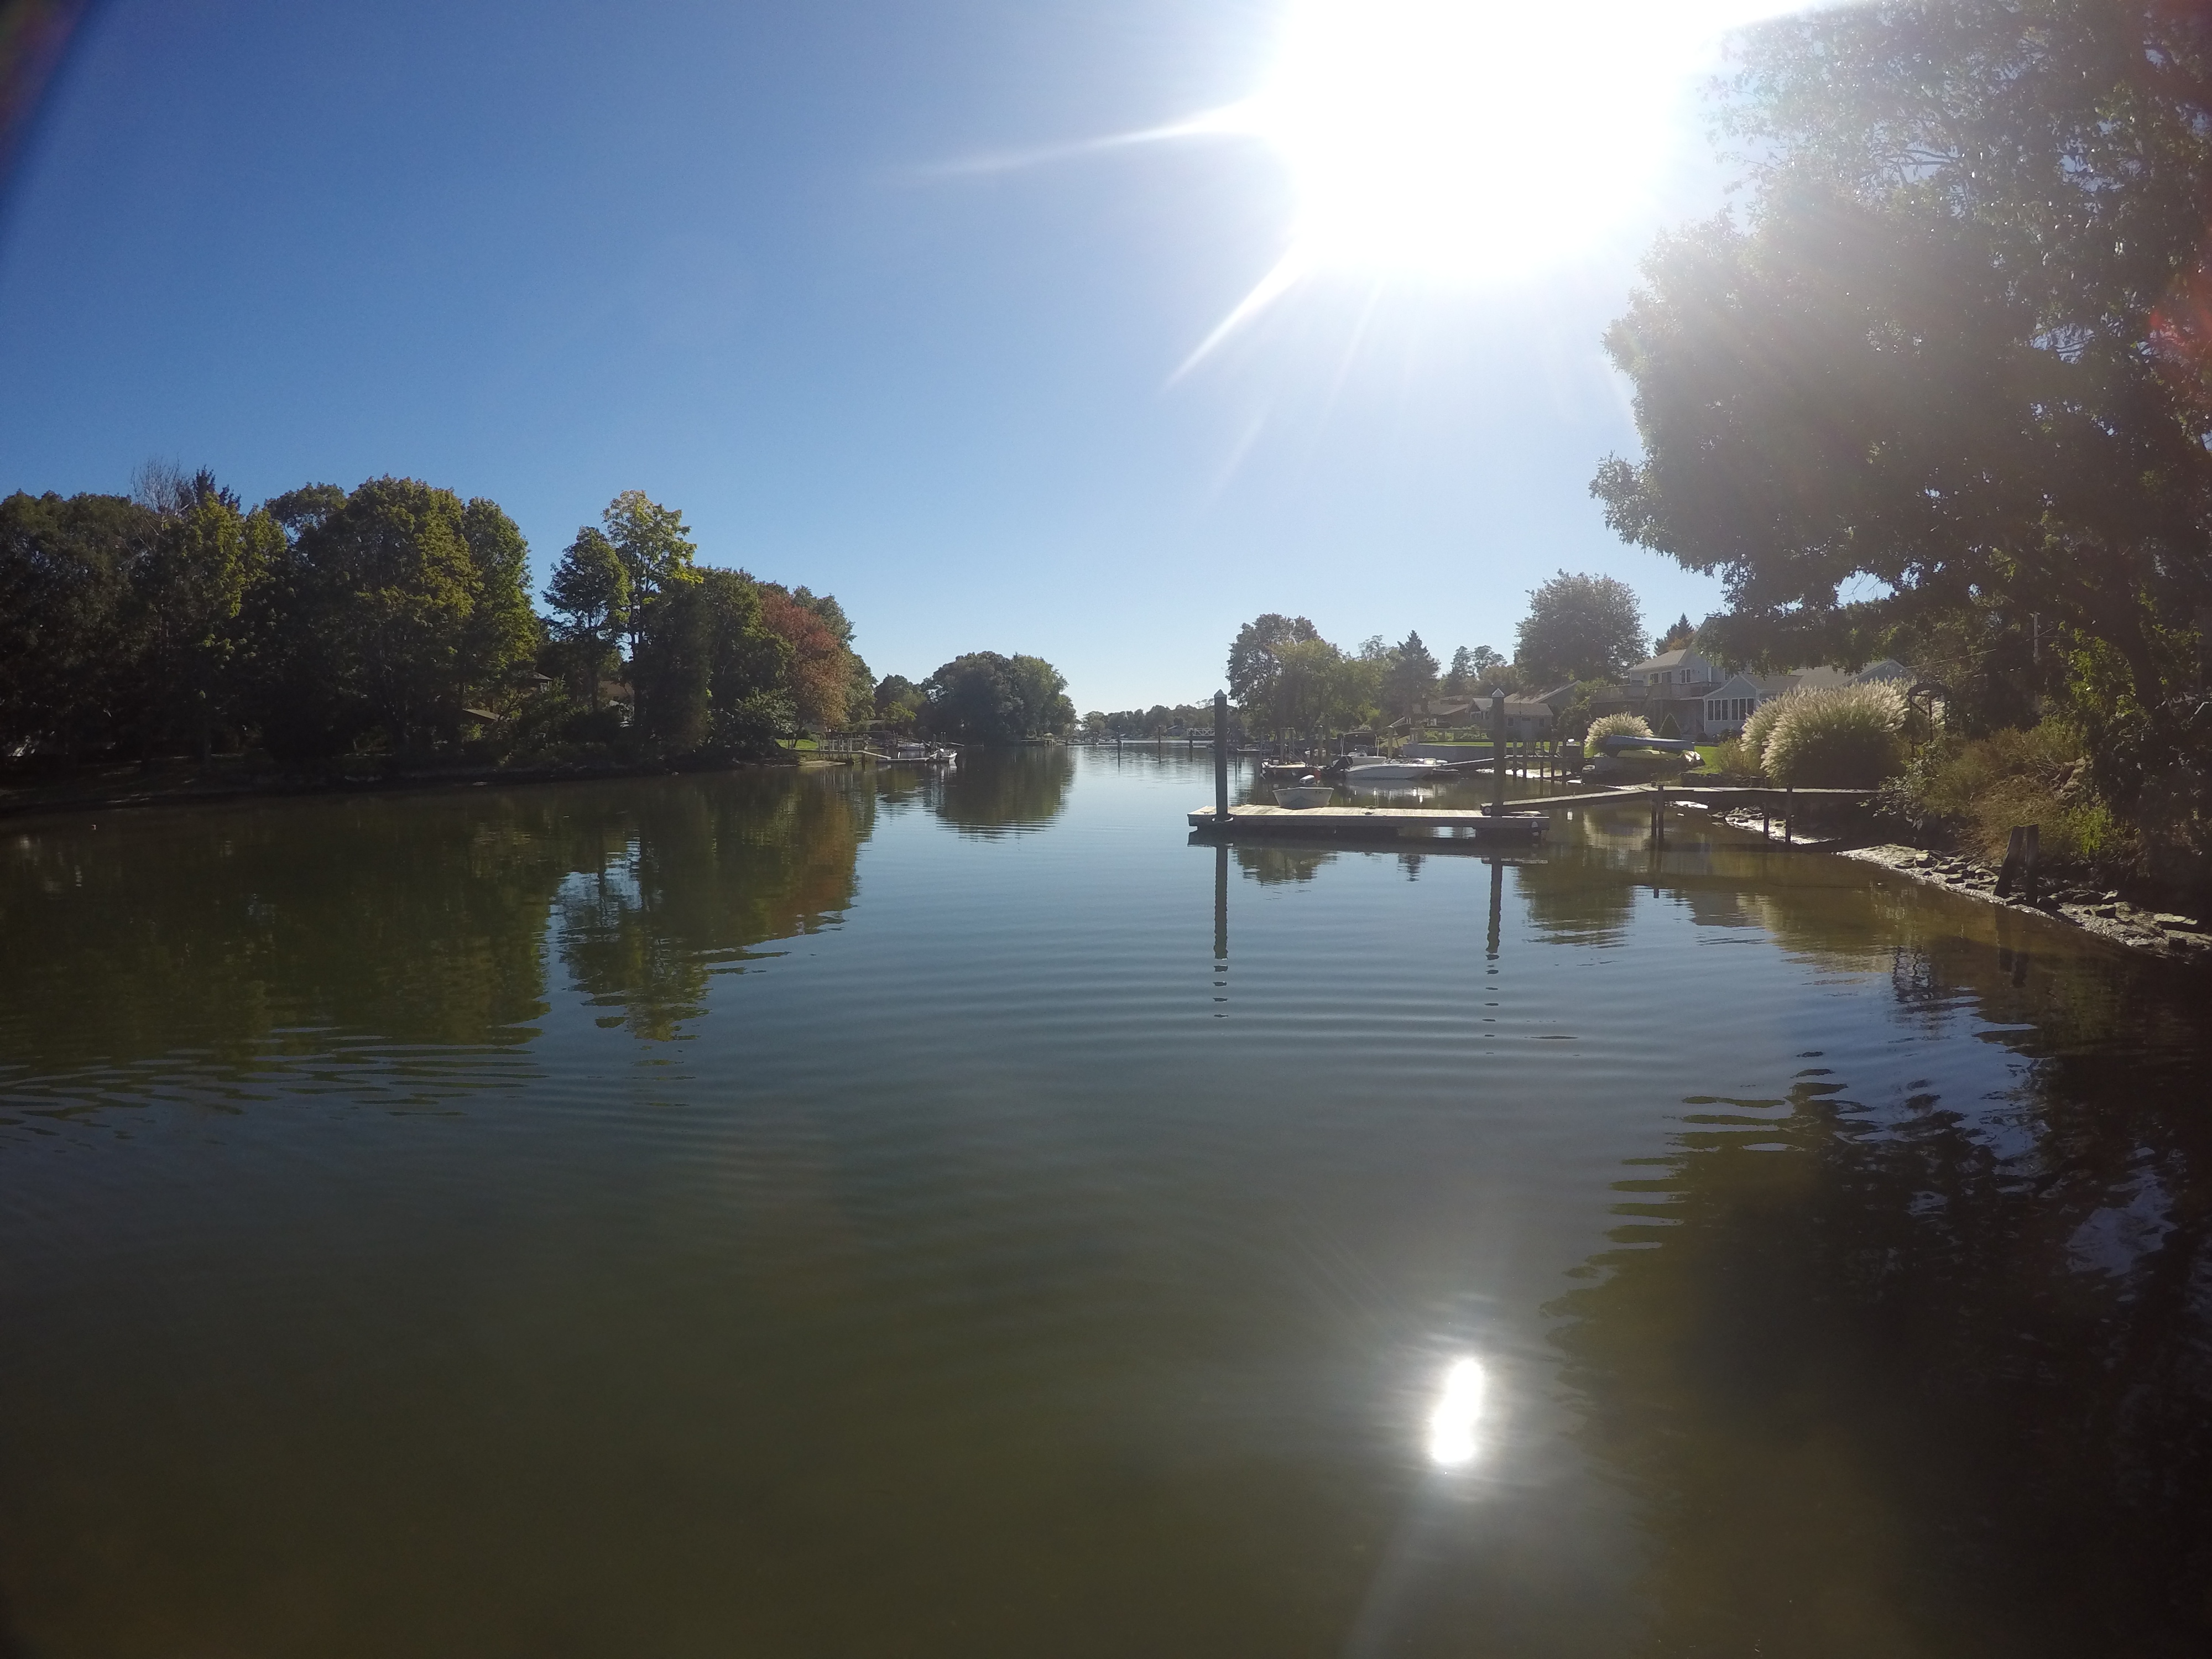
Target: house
column 1527, row 720
column 1728, row 705
column 1675, row 685
column 1680, row 667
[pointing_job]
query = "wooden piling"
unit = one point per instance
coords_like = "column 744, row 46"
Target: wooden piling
column 1221, row 756
column 1498, row 752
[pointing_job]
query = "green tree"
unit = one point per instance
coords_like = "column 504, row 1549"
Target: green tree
column 590, row 595
column 1579, row 626
column 192, row 593
column 898, row 702
column 1252, row 661
column 1411, row 678
column 656, row 551
column 1683, row 634
column 405, row 600
column 64, row 566
column 986, row 698
column 710, row 670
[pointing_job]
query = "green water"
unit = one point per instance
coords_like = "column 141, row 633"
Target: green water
column 867, row 1214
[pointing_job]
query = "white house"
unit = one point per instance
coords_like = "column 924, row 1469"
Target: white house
column 1728, row 705
column 1680, row 667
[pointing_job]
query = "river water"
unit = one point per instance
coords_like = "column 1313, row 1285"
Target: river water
column 869, row 1214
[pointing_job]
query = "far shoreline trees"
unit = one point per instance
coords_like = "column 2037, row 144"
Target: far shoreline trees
column 394, row 618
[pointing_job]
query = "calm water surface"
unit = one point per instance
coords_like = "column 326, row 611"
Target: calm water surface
column 870, row 1215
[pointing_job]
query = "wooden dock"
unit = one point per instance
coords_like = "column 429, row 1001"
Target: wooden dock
column 1367, row 821
column 1523, row 819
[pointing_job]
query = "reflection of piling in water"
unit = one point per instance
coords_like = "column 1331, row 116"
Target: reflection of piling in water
column 1497, row 904
column 1221, row 904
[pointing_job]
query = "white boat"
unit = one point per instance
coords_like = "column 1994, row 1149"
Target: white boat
column 1302, row 795
column 1382, row 768
column 924, row 754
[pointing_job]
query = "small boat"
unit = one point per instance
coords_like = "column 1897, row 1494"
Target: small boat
column 1625, row 757
column 922, row 754
column 1300, row 796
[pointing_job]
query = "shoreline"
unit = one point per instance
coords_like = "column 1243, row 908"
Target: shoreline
column 195, row 789
column 2168, row 935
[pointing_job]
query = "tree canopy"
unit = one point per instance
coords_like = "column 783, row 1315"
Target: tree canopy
column 1948, row 375
column 394, row 615
column 986, row 698
column 1579, row 628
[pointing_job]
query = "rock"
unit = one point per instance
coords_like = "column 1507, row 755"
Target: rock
column 2106, row 911
column 2174, row 924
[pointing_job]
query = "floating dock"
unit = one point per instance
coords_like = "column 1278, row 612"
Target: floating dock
column 1367, row 821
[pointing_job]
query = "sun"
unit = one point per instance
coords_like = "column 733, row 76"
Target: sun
column 1461, row 140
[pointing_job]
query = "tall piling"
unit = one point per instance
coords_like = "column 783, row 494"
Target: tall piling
column 1498, row 753
column 1221, row 756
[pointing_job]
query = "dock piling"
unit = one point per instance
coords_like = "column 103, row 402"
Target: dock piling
column 1221, row 756
column 1498, row 752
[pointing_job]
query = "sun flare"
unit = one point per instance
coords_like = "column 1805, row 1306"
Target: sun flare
column 1458, row 140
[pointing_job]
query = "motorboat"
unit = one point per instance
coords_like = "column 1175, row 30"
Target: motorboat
column 1387, row 769
column 923, row 754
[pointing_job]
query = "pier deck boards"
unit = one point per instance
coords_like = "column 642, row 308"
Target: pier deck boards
column 1394, row 820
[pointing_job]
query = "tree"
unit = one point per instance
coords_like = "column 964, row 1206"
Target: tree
column 1459, row 678
column 191, row 592
column 590, row 593
column 898, row 702
column 710, row 670
column 1958, row 349
column 656, row 551
column 1579, row 628
column 1252, row 662
column 1410, row 678
column 1677, row 638
column 986, row 698
column 401, row 600
column 821, row 667
column 64, row 569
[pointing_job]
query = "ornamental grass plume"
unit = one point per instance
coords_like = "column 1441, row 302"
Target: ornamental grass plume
column 1616, row 726
column 1760, row 726
column 1844, row 737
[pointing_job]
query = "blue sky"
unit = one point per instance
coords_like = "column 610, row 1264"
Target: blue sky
column 743, row 258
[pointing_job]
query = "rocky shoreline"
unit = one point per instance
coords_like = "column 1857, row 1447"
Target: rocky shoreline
column 2164, row 934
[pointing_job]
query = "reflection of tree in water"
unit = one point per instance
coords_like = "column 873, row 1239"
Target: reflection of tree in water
column 1575, row 900
column 1932, row 1385
column 232, row 933
column 213, row 941
column 680, row 882
column 1270, row 864
column 998, row 791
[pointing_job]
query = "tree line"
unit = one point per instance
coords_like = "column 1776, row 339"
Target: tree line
column 398, row 618
column 1581, row 633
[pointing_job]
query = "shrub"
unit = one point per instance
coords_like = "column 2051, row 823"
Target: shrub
column 1735, row 757
column 1845, row 736
column 1760, row 726
column 1979, row 789
column 1614, row 725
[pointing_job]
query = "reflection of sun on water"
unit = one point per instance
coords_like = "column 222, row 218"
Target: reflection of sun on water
column 1458, row 1408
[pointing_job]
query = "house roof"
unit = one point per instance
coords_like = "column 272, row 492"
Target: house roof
column 1665, row 659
